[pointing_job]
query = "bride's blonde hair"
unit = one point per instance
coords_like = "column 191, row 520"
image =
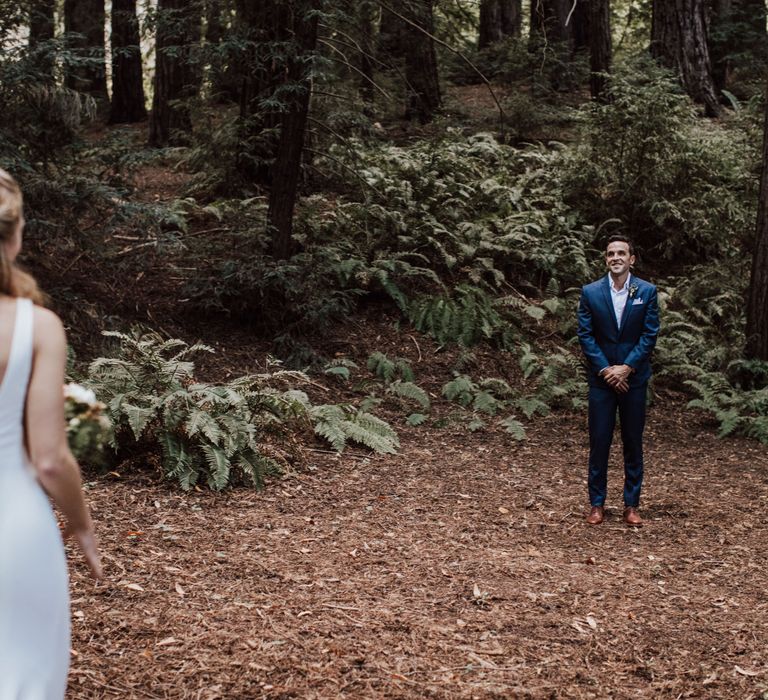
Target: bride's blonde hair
column 13, row 281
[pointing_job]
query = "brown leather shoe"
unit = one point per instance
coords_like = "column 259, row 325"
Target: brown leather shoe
column 596, row 515
column 632, row 517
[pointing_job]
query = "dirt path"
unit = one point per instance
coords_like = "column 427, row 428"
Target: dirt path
column 459, row 569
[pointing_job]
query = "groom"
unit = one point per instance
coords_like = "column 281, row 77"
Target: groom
column 618, row 325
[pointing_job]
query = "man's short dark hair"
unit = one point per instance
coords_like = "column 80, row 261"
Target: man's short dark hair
column 621, row 238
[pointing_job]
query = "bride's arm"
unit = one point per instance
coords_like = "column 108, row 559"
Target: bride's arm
column 56, row 468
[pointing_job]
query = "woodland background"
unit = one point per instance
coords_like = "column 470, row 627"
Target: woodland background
column 311, row 225
column 456, row 165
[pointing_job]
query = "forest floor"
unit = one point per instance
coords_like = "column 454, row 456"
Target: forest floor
column 459, row 568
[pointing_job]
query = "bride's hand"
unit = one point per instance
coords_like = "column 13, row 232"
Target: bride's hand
column 87, row 543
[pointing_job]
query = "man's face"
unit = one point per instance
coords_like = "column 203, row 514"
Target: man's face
column 617, row 258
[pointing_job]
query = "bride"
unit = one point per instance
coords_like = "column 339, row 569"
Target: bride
column 34, row 461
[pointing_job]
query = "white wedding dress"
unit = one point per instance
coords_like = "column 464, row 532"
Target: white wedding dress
column 34, row 597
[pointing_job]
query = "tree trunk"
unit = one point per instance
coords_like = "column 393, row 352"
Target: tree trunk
column 560, row 21
column 679, row 41
column 421, row 62
column 293, row 123
column 128, row 104
column 263, row 26
column 546, row 24
column 214, row 30
column 41, row 30
column 391, row 41
column 41, row 22
column 86, row 18
column 367, row 16
column 599, row 47
column 499, row 19
column 224, row 73
column 757, row 302
column 175, row 81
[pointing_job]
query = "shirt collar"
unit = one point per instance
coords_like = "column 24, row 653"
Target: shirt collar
column 624, row 288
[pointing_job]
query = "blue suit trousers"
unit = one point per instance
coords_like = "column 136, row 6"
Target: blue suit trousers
column 603, row 403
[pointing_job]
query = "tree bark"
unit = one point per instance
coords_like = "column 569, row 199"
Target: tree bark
column 41, row 21
column 679, row 41
column 757, row 302
column 421, row 75
column 262, row 26
column 391, row 33
column 293, row 123
column 224, row 74
column 86, row 19
column 128, row 105
column 600, row 48
column 367, row 15
column 175, row 80
column 550, row 22
column 499, row 19
column 41, row 30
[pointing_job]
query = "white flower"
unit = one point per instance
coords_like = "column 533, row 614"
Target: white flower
column 79, row 394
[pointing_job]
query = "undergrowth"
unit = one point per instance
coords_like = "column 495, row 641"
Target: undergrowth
column 213, row 432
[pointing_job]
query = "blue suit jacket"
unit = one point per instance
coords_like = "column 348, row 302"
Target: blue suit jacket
column 605, row 343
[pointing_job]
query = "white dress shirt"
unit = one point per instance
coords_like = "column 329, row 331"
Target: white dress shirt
column 619, row 298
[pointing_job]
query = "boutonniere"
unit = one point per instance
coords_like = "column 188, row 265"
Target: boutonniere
column 632, row 290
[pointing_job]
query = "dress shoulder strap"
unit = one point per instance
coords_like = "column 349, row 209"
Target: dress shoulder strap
column 20, row 359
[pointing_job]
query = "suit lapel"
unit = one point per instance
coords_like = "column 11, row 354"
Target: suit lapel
column 609, row 301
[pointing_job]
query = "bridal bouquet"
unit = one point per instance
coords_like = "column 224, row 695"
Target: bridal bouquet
column 88, row 429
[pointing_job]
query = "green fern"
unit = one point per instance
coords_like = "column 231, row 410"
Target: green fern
column 514, row 427
column 388, row 370
column 212, row 432
column 409, row 391
column 460, row 389
column 339, row 424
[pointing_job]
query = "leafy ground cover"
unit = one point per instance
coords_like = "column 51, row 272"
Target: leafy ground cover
column 459, row 568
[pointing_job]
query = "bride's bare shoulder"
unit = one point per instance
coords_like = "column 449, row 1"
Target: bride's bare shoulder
column 48, row 327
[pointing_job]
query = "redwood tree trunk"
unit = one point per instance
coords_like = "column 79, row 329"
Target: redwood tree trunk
column 599, row 47
column 41, row 30
column 86, row 18
column 499, row 19
column 41, row 21
column 421, row 62
column 548, row 20
column 367, row 15
column 560, row 21
column 757, row 303
column 293, row 123
column 679, row 41
column 128, row 104
column 391, row 38
column 175, row 80
column 263, row 26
